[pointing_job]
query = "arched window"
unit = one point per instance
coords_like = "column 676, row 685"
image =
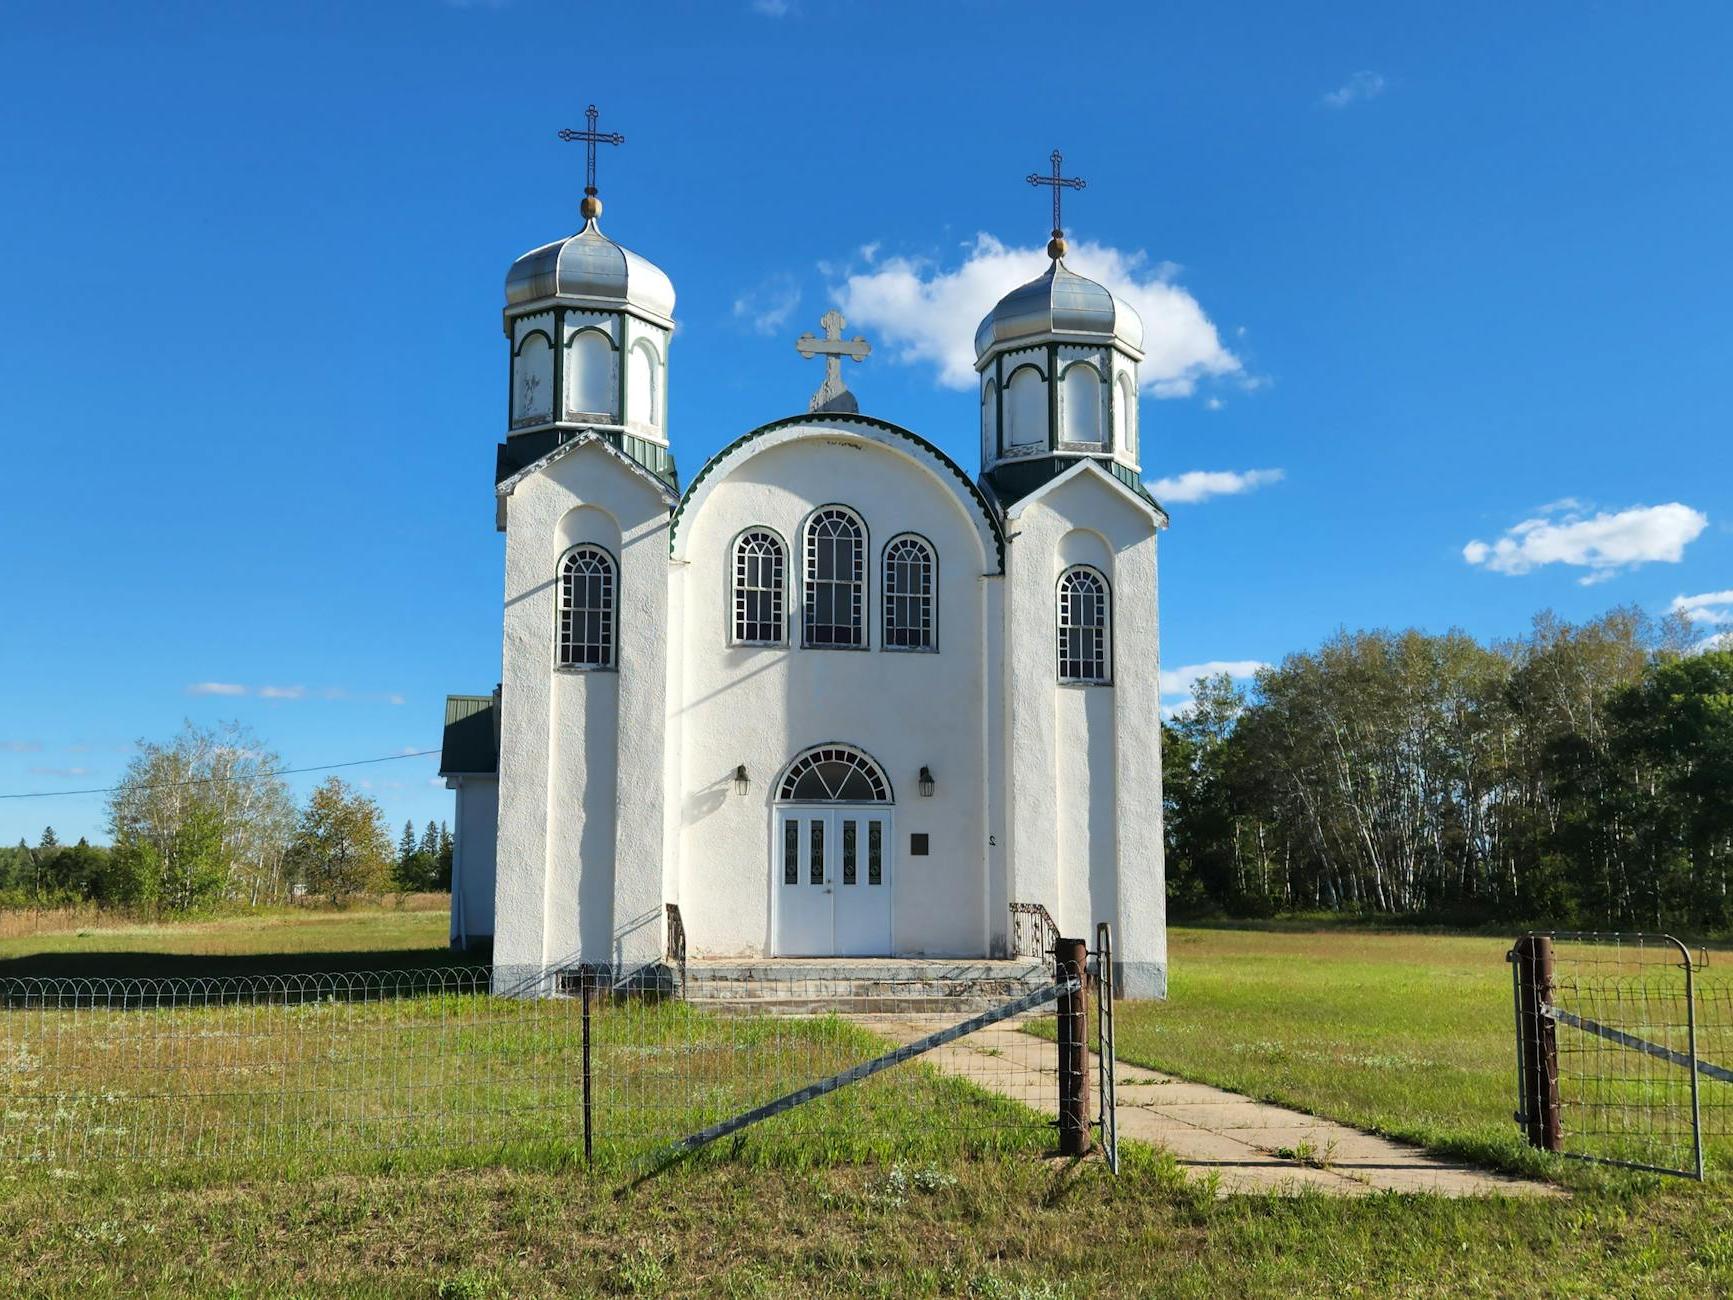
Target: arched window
column 642, row 398
column 835, row 585
column 532, row 394
column 590, row 374
column 1125, row 416
column 587, row 602
column 907, row 593
column 758, row 578
column 834, row 774
column 989, row 419
column 1083, row 626
column 1080, row 400
column 1026, row 409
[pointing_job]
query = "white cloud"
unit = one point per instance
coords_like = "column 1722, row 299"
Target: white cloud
column 1360, row 87
column 927, row 315
column 1202, row 484
column 330, row 693
column 772, row 8
column 1179, row 681
column 1712, row 607
column 20, row 746
column 1606, row 544
column 769, row 306
column 63, row 772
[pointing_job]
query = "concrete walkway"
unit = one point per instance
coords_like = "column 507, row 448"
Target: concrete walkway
column 1246, row 1145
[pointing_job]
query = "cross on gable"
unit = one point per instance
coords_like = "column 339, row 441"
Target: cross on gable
column 592, row 206
column 833, row 394
column 1059, row 184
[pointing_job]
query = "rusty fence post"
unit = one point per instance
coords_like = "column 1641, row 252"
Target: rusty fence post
column 1070, row 959
column 584, row 985
column 1537, row 1042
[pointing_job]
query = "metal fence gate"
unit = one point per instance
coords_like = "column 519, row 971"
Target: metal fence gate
column 1622, row 1050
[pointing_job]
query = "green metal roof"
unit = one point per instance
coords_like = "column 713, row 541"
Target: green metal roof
column 470, row 747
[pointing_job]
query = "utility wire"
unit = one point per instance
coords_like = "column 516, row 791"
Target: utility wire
column 213, row 780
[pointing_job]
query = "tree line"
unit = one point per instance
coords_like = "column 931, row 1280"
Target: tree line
column 203, row 820
column 1580, row 776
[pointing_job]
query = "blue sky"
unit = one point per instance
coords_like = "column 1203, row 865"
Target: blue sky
column 1457, row 272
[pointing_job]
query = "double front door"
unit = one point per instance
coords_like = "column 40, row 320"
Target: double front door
column 833, row 873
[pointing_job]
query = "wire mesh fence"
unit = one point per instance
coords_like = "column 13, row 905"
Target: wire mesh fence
column 1624, row 1050
column 340, row 1068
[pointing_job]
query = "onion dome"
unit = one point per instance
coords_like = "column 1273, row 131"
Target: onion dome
column 591, row 269
column 1061, row 303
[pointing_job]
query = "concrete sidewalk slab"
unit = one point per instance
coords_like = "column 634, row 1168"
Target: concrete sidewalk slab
column 1247, row 1146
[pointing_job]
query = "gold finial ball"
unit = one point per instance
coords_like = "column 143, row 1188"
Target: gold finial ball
column 1056, row 247
column 590, row 208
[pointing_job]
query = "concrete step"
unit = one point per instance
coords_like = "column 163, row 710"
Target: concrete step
column 860, row 986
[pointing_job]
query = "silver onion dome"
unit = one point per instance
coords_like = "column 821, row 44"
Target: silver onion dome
column 1061, row 302
column 591, row 267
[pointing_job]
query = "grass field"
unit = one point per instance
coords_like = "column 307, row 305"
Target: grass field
column 1400, row 1032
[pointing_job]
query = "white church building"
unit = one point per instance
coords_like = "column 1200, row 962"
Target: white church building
column 834, row 695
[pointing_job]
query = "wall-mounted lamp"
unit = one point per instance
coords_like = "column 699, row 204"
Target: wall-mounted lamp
column 740, row 780
column 926, row 783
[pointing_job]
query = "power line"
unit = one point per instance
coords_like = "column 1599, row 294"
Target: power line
column 214, row 780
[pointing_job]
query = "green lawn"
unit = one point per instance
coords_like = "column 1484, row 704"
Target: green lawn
column 392, row 934
column 1408, row 1033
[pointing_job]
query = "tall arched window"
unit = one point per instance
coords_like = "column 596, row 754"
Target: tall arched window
column 587, row 603
column 1026, row 409
column 1084, row 626
column 532, row 396
column 590, row 374
column 758, row 578
column 1080, row 401
column 907, row 594
column 835, row 579
column 1125, row 416
column 642, row 397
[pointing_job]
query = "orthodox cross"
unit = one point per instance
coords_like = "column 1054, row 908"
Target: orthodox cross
column 592, row 206
column 833, row 394
column 1058, row 183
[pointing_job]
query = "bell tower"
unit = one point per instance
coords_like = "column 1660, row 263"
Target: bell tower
column 588, row 324
column 1058, row 362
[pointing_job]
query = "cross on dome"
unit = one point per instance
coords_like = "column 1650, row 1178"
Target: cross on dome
column 833, row 394
column 1058, row 183
column 591, row 206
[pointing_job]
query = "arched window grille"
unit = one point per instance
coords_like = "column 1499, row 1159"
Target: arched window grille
column 910, row 585
column 834, row 774
column 758, row 586
column 1083, row 626
column 835, row 586
column 587, row 602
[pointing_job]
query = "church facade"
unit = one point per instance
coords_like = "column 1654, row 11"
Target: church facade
column 834, row 695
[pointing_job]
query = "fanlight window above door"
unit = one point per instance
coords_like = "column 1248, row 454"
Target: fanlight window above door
column 834, row 774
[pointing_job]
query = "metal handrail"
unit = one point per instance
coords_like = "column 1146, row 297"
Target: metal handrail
column 676, row 941
column 1046, row 933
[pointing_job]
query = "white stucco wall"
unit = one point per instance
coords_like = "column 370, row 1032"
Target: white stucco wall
column 472, row 860
column 581, row 753
column 762, row 706
column 1084, row 766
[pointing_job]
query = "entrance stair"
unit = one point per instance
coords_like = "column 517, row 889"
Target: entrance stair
column 910, row 986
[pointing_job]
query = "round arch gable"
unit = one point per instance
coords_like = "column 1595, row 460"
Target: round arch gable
column 949, row 475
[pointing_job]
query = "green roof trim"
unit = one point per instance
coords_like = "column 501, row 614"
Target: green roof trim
column 470, row 747
column 871, row 422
